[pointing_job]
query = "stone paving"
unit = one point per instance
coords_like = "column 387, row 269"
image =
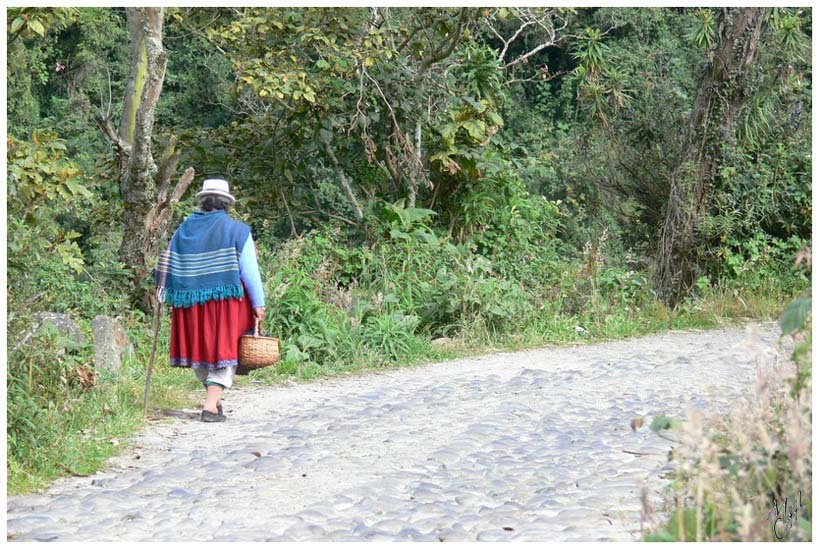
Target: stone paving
column 525, row 446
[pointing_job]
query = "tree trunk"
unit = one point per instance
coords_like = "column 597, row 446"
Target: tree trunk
column 344, row 181
column 720, row 97
column 412, row 182
column 144, row 187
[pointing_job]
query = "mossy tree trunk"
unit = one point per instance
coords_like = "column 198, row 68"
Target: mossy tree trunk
column 721, row 95
column 144, row 186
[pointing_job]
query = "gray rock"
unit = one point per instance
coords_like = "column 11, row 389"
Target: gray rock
column 304, row 531
column 535, row 534
column 410, row 533
column 110, row 344
column 441, row 342
column 27, row 523
column 44, row 537
column 181, row 493
column 453, row 534
column 62, row 322
column 494, row 535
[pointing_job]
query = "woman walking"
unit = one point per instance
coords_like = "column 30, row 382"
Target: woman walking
column 210, row 276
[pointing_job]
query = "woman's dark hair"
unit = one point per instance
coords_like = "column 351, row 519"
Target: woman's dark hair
column 208, row 203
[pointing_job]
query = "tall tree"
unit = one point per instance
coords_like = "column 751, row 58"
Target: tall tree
column 385, row 103
column 722, row 93
column 144, row 187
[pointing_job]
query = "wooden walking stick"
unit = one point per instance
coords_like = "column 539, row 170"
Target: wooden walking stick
column 157, row 315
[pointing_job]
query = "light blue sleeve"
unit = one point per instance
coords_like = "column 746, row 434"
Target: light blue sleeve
column 249, row 273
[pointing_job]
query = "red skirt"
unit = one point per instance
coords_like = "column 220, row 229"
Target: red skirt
column 207, row 335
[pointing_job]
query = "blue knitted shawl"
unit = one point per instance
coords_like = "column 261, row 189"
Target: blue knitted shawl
column 202, row 261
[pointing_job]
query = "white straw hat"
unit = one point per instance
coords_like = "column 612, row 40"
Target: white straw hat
column 216, row 187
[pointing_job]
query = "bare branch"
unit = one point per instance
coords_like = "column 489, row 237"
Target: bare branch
column 329, row 215
column 345, row 182
column 381, row 93
column 200, row 33
column 495, row 32
column 511, row 40
column 359, row 112
column 539, row 77
column 290, row 216
column 110, row 95
column 533, row 23
column 182, row 186
column 523, row 57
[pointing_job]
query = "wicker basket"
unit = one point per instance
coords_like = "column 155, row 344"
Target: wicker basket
column 257, row 351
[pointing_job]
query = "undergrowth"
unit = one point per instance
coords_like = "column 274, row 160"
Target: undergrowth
column 342, row 308
column 402, row 291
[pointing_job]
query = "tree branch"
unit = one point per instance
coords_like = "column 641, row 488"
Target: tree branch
column 345, row 183
column 538, row 78
column 527, row 55
column 329, row 215
column 511, row 40
column 181, row 186
column 290, row 216
column 167, row 165
column 445, row 53
column 409, row 37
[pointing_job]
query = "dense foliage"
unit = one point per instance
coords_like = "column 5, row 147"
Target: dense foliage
column 409, row 173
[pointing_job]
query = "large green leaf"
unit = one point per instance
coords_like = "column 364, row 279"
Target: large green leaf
column 37, row 27
column 475, row 128
column 16, row 25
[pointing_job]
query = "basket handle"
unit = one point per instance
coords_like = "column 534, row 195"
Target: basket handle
column 256, row 329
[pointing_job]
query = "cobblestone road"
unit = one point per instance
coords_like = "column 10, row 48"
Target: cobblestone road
column 532, row 445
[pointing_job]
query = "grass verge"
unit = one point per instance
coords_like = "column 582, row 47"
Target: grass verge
column 72, row 431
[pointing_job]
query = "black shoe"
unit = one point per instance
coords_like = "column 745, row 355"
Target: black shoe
column 208, row 416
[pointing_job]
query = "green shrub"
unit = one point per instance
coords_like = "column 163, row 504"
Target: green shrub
column 391, row 335
column 755, row 263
